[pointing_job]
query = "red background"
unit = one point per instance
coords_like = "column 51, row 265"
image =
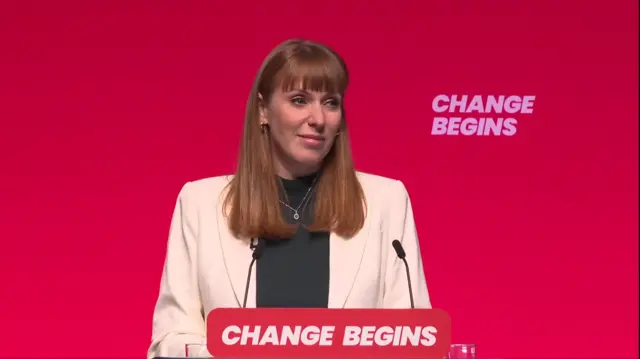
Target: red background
column 530, row 242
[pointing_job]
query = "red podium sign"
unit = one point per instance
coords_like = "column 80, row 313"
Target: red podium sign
column 328, row 333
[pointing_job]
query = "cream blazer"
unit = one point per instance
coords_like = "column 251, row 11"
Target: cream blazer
column 206, row 267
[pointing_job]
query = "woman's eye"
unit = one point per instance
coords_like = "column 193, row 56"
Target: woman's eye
column 333, row 103
column 298, row 100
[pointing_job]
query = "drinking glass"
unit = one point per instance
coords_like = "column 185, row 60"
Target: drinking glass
column 462, row 351
column 197, row 350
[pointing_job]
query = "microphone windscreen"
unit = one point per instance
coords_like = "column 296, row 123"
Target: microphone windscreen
column 398, row 247
column 257, row 252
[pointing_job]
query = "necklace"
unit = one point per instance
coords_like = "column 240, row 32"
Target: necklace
column 304, row 201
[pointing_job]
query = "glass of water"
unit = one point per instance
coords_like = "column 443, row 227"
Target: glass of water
column 197, row 350
column 462, row 351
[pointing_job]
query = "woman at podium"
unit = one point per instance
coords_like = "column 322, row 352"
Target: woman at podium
column 324, row 231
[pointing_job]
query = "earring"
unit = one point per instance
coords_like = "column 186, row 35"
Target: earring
column 262, row 126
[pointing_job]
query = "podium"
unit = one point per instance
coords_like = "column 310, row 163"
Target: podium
column 257, row 333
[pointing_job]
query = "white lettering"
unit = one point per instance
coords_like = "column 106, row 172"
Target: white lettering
column 248, row 333
column 428, row 336
column 483, row 104
column 290, row 335
column 384, row 336
column 313, row 335
column 475, row 105
column 396, row 336
column 410, row 335
column 483, row 126
column 527, row 104
column 270, row 336
column 458, row 105
column 439, row 126
column 437, row 107
column 368, row 333
column 278, row 335
column 323, row 336
column 226, row 335
column 351, row 336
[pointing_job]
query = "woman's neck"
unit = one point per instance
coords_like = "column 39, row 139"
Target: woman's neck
column 292, row 171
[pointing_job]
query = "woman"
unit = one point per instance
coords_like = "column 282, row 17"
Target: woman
column 325, row 229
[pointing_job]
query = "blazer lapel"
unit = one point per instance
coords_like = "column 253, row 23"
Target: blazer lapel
column 345, row 260
column 236, row 254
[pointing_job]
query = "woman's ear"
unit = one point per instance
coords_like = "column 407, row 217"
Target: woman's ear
column 263, row 110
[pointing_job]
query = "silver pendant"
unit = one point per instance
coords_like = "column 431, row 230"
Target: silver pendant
column 296, row 216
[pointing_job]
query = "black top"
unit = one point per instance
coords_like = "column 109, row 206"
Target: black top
column 294, row 272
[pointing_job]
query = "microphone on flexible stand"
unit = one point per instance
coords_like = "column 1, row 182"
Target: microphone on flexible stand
column 401, row 254
column 257, row 248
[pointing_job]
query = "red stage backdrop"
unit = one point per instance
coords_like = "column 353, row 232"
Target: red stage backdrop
column 529, row 230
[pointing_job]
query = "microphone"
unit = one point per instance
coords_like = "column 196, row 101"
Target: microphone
column 401, row 254
column 258, row 248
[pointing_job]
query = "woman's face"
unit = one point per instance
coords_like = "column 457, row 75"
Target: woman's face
column 303, row 126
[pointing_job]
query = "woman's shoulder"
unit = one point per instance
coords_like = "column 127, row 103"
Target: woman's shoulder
column 207, row 187
column 376, row 186
column 376, row 182
column 385, row 197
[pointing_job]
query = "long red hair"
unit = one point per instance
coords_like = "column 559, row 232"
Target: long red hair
column 251, row 203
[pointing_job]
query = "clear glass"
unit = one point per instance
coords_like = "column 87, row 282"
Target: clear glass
column 197, row 350
column 462, row 351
